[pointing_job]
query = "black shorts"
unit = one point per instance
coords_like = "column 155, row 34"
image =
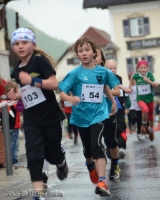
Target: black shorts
column 43, row 142
column 110, row 132
column 91, row 138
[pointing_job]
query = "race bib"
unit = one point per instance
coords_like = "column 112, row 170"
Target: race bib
column 67, row 104
column 92, row 93
column 144, row 89
column 31, row 96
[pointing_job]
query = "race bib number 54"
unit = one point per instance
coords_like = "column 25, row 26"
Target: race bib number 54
column 92, row 93
column 31, row 96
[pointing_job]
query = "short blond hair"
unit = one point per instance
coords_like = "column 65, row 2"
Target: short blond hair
column 109, row 61
column 9, row 85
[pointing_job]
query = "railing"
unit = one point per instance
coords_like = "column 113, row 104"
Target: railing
column 6, row 131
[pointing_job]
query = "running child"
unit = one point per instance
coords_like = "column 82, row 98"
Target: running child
column 121, row 125
column 145, row 82
column 110, row 126
column 132, row 108
column 87, row 83
column 42, row 116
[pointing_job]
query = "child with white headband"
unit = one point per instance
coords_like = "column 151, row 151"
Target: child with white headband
column 42, row 116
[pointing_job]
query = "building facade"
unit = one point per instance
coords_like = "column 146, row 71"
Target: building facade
column 69, row 60
column 135, row 30
column 4, row 59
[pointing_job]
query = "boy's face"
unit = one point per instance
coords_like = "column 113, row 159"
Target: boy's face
column 112, row 66
column 85, row 53
column 143, row 69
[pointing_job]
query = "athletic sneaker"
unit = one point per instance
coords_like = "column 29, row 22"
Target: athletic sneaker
column 102, row 189
column 93, row 176
column 151, row 134
column 121, row 153
column 62, row 172
column 17, row 165
column 114, row 172
column 140, row 136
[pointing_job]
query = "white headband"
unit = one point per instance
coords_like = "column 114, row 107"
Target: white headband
column 22, row 34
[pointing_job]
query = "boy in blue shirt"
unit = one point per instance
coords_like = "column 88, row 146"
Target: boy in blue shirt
column 87, row 83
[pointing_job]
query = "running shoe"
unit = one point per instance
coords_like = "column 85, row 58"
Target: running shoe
column 17, row 165
column 121, row 153
column 140, row 136
column 151, row 134
column 102, row 189
column 62, row 173
column 93, row 176
column 114, row 172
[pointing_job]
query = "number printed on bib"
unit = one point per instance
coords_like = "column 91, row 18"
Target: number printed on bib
column 31, row 96
column 144, row 89
column 92, row 93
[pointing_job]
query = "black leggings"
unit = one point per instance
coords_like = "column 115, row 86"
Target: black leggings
column 136, row 117
column 43, row 142
column 110, row 132
column 71, row 127
column 91, row 138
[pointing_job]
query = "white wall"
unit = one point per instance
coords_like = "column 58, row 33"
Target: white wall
column 62, row 67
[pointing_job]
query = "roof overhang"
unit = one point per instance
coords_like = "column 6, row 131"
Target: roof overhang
column 111, row 46
column 105, row 3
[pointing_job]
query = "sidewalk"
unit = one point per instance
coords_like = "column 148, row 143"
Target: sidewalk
column 21, row 178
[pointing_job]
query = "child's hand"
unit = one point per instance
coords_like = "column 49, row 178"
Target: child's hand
column 113, row 109
column 126, row 111
column 12, row 95
column 146, row 79
column 74, row 100
column 128, row 90
column 25, row 78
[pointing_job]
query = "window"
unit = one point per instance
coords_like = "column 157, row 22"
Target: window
column 136, row 27
column 132, row 63
column 73, row 61
column 110, row 56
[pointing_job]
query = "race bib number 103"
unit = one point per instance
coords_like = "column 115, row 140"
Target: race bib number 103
column 31, row 96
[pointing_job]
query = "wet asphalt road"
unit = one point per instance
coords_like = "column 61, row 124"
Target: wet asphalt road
column 140, row 173
column 139, row 179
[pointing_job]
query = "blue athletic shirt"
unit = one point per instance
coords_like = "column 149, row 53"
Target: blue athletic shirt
column 84, row 114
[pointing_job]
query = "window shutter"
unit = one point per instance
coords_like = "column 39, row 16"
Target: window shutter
column 146, row 25
column 70, row 61
column 126, row 29
column 150, row 63
column 130, row 67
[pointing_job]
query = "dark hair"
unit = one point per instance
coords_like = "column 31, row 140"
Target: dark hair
column 83, row 40
column 102, row 56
